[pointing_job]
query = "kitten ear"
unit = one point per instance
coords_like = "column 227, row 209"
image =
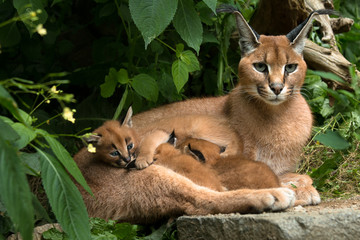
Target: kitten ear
column 248, row 38
column 127, row 120
column 172, row 139
column 297, row 36
column 196, row 153
column 92, row 138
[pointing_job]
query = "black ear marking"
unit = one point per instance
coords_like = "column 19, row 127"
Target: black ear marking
column 222, row 149
column 197, row 154
column 172, row 139
column 248, row 37
column 297, row 36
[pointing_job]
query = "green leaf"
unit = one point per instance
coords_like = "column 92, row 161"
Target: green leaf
column 32, row 162
column 328, row 75
column 211, row 4
column 65, row 199
column 8, row 102
column 190, row 60
column 108, row 87
column 146, row 87
column 123, row 76
column 9, row 35
column 14, row 190
column 180, row 74
column 26, row 134
column 152, row 16
column 64, row 156
column 333, row 140
column 24, row 7
column 188, row 24
column 107, row 10
column 7, row 132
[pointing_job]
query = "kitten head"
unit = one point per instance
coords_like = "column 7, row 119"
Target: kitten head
column 202, row 150
column 115, row 143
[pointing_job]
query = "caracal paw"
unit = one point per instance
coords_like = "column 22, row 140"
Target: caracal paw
column 143, row 161
column 306, row 194
column 274, row 199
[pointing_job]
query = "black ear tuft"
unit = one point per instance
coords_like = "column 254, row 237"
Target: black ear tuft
column 172, row 139
column 197, row 154
column 222, row 149
column 248, row 38
column 297, row 36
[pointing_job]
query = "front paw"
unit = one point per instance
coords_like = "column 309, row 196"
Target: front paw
column 305, row 195
column 143, row 161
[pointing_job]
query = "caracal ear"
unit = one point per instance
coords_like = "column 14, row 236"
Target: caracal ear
column 172, row 139
column 248, row 38
column 127, row 120
column 297, row 36
column 93, row 138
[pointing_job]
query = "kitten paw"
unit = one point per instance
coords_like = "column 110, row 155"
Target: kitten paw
column 142, row 162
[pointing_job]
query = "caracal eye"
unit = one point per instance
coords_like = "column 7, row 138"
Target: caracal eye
column 114, row 153
column 289, row 68
column 130, row 146
column 260, row 67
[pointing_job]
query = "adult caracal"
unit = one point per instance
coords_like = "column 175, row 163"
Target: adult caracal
column 266, row 109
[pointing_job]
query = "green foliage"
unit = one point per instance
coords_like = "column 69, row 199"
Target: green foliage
column 104, row 230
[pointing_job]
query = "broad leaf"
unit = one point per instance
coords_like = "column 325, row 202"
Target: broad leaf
column 190, row 60
column 211, row 4
column 146, row 87
column 152, row 16
column 26, row 134
column 333, row 140
column 180, row 74
column 63, row 155
column 64, row 198
column 108, row 87
column 8, row 102
column 14, row 190
column 9, row 35
column 188, row 24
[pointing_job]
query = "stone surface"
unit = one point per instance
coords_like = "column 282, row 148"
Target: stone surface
column 298, row 224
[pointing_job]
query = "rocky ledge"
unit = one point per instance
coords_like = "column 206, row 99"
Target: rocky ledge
column 329, row 220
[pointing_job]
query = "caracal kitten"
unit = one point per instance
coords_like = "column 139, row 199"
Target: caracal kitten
column 235, row 172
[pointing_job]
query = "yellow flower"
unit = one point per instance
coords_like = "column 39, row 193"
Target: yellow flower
column 68, row 114
column 32, row 14
column 41, row 30
column 91, row 148
column 53, row 90
column 47, row 101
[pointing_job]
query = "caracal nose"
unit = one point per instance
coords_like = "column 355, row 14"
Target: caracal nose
column 276, row 87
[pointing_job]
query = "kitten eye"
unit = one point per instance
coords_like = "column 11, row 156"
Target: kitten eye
column 260, row 67
column 289, row 68
column 130, row 146
column 114, row 153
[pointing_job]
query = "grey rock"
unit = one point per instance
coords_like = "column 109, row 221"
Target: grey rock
column 323, row 224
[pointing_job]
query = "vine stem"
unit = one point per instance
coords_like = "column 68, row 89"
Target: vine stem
column 166, row 44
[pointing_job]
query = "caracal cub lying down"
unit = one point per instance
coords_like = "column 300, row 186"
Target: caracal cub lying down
column 200, row 161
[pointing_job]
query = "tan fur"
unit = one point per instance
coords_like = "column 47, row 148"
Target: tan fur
column 168, row 156
column 273, row 126
column 115, row 144
column 273, row 132
column 235, row 172
column 157, row 193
